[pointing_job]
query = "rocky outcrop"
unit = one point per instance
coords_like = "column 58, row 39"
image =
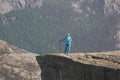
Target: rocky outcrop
column 9, row 5
column 103, row 66
column 17, row 64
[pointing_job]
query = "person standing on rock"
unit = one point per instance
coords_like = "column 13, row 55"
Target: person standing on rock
column 68, row 41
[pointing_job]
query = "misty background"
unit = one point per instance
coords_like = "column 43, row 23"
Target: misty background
column 38, row 26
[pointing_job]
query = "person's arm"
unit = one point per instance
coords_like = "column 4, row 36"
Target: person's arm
column 63, row 39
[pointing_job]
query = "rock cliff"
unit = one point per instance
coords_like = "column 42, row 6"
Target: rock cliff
column 103, row 66
column 18, row 64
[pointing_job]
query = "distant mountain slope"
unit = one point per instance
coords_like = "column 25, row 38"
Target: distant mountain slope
column 40, row 29
column 10, row 5
column 86, row 7
column 96, row 7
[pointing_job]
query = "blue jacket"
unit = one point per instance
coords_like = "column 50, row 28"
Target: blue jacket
column 68, row 39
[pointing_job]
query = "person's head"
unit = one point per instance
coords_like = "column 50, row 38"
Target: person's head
column 68, row 34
